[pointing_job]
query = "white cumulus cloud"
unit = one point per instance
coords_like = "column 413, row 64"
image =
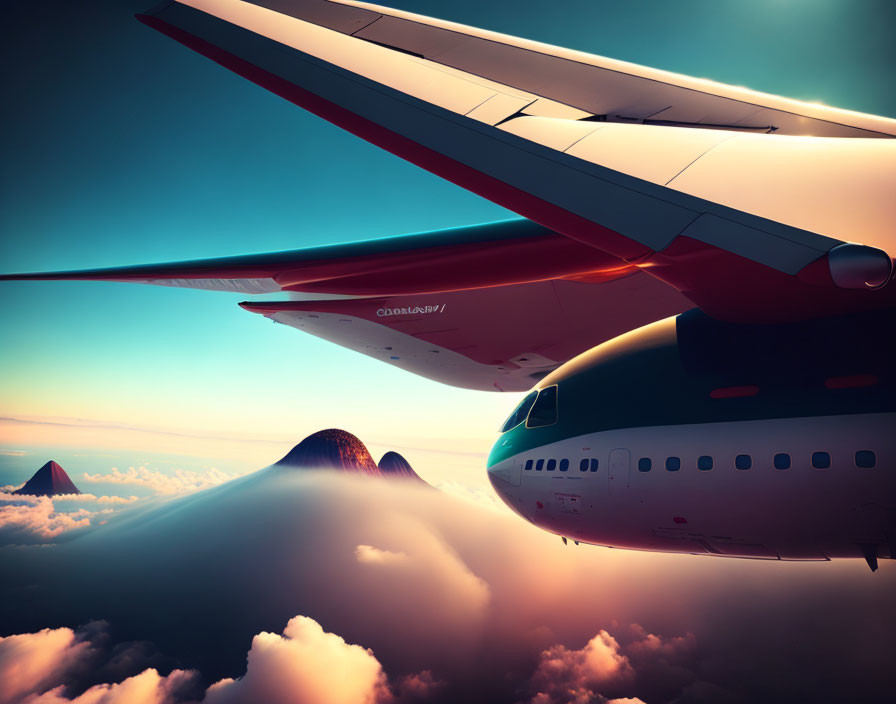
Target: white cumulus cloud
column 93, row 498
column 149, row 687
column 34, row 662
column 565, row 676
column 34, row 519
column 370, row 555
column 37, row 668
column 182, row 481
column 305, row 664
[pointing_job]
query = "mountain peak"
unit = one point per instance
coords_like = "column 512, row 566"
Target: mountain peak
column 394, row 465
column 49, row 480
column 331, row 449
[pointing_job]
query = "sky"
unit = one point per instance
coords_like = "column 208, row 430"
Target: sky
column 122, row 147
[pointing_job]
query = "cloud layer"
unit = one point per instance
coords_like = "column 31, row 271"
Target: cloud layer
column 448, row 593
column 181, row 481
column 43, row 668
column 34, row 519
column 303, row 664
column 35, row 662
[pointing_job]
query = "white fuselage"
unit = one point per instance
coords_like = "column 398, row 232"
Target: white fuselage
column 803, row 512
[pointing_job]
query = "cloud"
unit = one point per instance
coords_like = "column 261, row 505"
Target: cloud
column 82, row 423
column 93, row 498
column 182, row 481
column 409, row 566
column 417, row 687
column 28, row 520
column 13, row 453
column 649, row 645
column 34, row 519
column 485, row 498
column 643, row 667
column 43, row 667
column 566, row 676
column 370, row 555
column 34, row 662
column 306, row 665
column 146, row 688
column 303, row 664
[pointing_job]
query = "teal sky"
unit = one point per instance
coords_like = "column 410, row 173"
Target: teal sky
column 122, row 147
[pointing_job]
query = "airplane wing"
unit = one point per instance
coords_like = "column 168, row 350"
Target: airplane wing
column 757, row 208
column 490, row 307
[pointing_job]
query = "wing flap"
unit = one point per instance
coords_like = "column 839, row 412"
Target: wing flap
column 501, row 338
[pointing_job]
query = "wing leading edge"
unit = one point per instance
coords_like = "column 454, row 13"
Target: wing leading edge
column 500, row 253
column 490, row 307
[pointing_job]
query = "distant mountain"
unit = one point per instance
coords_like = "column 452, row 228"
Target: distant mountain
column 394, row 465
column 49, row 480
column 331, row 449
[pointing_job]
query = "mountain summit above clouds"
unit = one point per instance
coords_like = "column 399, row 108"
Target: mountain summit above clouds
column 394, row 465
column 331, row 449
column 49, row 480
column 340, row 450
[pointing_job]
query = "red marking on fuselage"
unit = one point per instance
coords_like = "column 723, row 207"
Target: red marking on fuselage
column 734, row 392
column 680, row 519
column 855, row 381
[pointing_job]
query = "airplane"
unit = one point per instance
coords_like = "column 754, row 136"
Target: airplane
column 698, row 297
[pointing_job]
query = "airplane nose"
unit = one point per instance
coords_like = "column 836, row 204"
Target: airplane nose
column 500, row 471
column 500, row 475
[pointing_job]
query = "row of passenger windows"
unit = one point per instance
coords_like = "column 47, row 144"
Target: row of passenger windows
column 586, row 465
column 864, row 459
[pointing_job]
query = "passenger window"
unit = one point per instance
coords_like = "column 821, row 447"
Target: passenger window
column 520, row 412
column 583, row 465
column 704, row 463
column 782, row 461
column 539, row 465
column 865, row 459
column 743, row 462
column 644, row 464
column 544, row 410
column 528, row 464
column 594, row 464
column 673, row 464
column 552, row 465
column 821, row 460
column 564, row 465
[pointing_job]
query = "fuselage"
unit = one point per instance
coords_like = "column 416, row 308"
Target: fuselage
column 690, row 435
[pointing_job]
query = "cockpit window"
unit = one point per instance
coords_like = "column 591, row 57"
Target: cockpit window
column 520, row 412
column 544, row 410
